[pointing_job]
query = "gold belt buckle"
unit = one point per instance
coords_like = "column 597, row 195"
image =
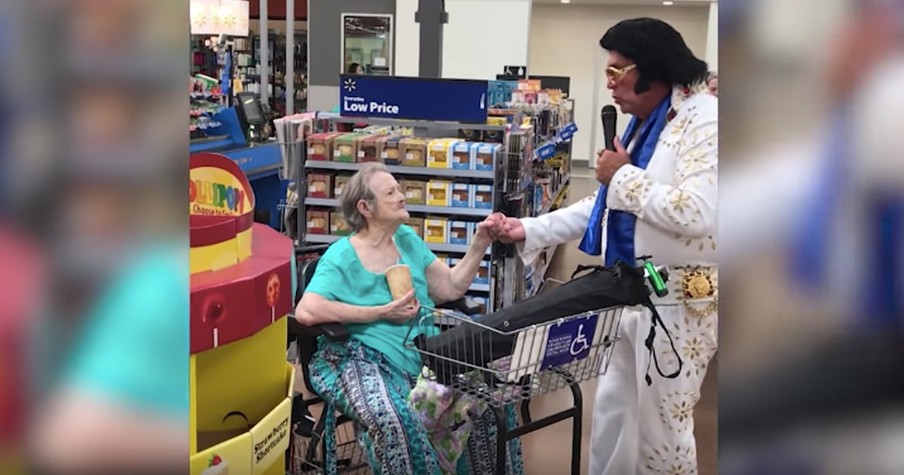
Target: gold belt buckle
column 698, row 283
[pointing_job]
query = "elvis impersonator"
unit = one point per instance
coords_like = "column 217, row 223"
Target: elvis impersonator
column 658, row 198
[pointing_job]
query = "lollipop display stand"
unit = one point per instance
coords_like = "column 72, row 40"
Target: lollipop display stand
column 241, row 385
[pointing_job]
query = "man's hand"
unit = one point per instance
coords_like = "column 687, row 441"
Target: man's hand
column 609, row 162
column 490, row 228
column 401, row 310
column 512, row 231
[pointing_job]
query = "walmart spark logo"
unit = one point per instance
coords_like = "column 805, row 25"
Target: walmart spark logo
column 350, row 85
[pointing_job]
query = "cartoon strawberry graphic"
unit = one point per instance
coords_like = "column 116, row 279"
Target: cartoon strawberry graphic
column 216, row 466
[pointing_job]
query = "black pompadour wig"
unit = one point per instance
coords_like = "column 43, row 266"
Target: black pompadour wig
column 658, row 50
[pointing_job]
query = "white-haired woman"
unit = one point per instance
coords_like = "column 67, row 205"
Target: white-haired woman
column 369, row 377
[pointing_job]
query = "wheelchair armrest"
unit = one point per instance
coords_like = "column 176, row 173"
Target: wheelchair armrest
column 464, row 305
column 333, row 331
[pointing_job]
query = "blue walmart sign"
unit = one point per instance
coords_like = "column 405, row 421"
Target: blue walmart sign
column 451, row 100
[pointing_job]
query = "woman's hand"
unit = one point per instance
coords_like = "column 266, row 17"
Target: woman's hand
column 489, row 229
column 401, row 310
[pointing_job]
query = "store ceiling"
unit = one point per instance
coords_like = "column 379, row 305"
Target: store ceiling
column 631, row 2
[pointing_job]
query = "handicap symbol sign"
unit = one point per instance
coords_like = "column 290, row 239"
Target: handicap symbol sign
column 569, row 341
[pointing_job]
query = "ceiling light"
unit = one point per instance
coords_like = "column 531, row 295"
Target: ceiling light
column 668, row 4
column 566, row 1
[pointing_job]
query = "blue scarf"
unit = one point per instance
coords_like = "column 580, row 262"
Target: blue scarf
column 811, row 242
column 879, row 297
column 620, row 225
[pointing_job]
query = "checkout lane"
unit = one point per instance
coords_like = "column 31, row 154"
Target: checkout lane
column 239, row 137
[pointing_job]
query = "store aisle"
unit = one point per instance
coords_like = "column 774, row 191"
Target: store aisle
column 549, row 450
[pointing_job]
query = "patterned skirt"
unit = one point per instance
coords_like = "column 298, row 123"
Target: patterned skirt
column 365, row 386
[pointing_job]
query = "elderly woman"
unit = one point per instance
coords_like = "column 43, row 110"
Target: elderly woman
column 712, row 83
column 369, row 377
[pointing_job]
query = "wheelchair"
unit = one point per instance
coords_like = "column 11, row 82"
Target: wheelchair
column 306, row 448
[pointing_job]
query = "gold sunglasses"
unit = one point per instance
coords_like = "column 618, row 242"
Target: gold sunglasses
column 614, row 74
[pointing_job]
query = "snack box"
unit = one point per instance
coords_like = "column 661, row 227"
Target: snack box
column 463, row 155
column 320, row 185
column 345, row 148
column 415, row 191
column 414, row 152
column 483, row 273
column 459, row 232
column 461, row 196
column 368, row 148
column 320, row 146
column 388, row 149
column 439, row 152
column 470, row 135
column 436, row 230
column 318, row 221
column 417, row 224
column 485, row 156
column 338, row 225
column 483, row 196
column 339, row 183
column 439, row 192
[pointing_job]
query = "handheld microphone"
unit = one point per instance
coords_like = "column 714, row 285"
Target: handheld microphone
column 608, row 116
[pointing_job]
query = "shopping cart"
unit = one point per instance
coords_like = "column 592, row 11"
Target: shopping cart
column 503, row 368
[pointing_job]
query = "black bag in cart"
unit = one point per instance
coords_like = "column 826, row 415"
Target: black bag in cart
column 601, row 288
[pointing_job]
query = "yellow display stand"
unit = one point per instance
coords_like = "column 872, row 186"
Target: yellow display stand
column 241, row 386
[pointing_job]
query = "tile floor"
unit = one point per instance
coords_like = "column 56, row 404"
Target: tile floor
column 549, row 450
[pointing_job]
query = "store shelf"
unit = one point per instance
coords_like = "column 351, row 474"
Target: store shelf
column 456, row 248
column 400, row 170
column 445, row 210
column 558, row 198
column 480, row 287
column 416, row 123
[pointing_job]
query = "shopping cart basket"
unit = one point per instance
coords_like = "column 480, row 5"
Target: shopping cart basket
column 539, row 359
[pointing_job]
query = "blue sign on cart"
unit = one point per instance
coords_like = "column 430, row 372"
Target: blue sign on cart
column 569, row 341
column 392, row 97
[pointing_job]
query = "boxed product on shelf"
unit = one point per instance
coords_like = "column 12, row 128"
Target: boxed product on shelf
column 339, row 183
column 318, row 221
column 417, row 224
column 454, row 261
column 494, row 135
column 461, row 195
column 471, row 135
column 320, row 185
column 415, row 191
column 436, row 230
column 483, row 196
column 320, row 146
column 463, row 155
column 345, row 148
column 459, row 232
column 338, row 225
column 388, row 149
column 485, row 156
column 438, row 153
column 368, row 148
column 443, row 258
column 413, row 152
column 438, row 192
column 483, row 273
